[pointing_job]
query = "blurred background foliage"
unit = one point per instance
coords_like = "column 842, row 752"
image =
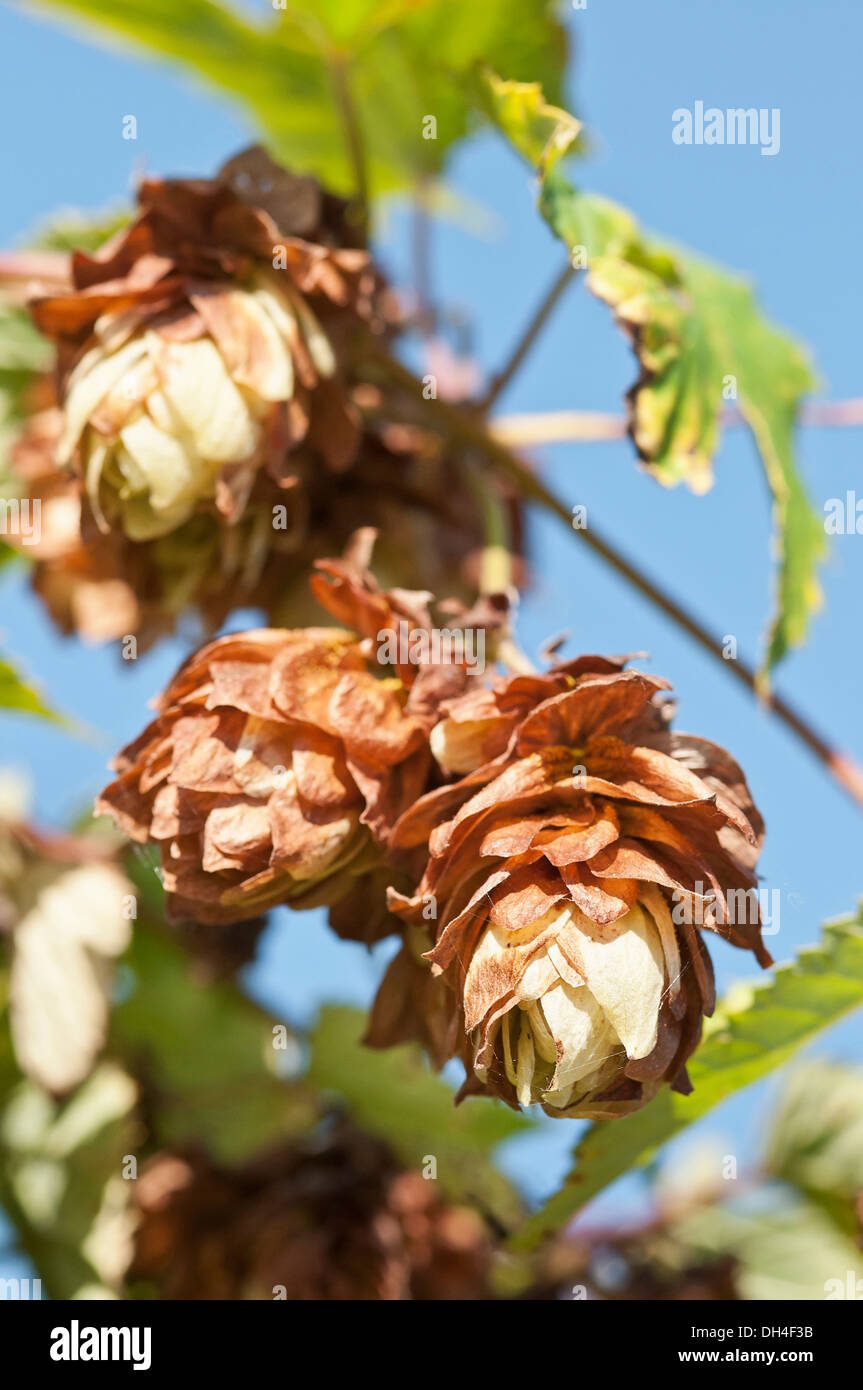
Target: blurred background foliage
column 192, row 1074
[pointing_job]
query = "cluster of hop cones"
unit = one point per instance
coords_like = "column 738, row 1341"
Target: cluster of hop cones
column 220, row 422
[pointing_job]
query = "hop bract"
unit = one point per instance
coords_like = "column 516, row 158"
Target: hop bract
column 276, row 766
column 210, row 429
column 196, row 348
column 570, row 867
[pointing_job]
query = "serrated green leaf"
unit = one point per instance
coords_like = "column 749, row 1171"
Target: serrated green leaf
column 755, row 1031
column 700, row 340
column 394, row 1095
column 403, row 61
column 693, row 339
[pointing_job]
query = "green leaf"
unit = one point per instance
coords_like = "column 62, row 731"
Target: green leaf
column 394, row 1095
column 543, row 134
column 23, row 354
column 692, row 337
column 22, row 347
column 698, row 335
column 403, row 60
column 208, row 1050
column 71, row 229
column 752, row 1033
column 816, row 1137
column 17, row 694
column 790, row 1252
column 60, row 1183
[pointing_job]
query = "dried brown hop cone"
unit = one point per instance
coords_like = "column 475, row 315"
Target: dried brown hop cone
column 98, row 586
column 197, row 348
column 104, row 586
column 568, row 869
column 214, row 432
column 275, row 766
column 279, row 761
column 336, row 1219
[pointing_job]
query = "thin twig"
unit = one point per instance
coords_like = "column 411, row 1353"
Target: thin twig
column 527, row 339
column 473, row 431
column 589, row 426
column 496, row 563
column 353, row 139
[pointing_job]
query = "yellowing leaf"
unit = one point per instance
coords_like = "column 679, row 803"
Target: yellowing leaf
column 540, row 132
column 701, row 341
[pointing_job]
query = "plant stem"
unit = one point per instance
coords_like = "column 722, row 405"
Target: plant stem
column 474, row 431
column 588, row 426
column 495, row 566
column 353, row 139
column 527, row 339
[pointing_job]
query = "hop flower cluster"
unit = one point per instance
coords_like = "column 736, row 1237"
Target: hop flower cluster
column 550, row 846
column 545, row 845
column 191, row 358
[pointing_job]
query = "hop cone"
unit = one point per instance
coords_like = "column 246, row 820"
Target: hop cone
column 569, row 869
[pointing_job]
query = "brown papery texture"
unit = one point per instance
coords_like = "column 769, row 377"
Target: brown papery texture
column 279, row 760
column 570, row 870
column 209, row 431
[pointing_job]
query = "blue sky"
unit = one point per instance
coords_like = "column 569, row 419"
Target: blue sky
column 791, row 222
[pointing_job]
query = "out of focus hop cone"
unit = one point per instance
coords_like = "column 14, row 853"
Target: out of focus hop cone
column 571, row 869
column 334, row 1218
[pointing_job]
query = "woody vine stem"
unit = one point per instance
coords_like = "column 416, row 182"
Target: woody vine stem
column 476, row 432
